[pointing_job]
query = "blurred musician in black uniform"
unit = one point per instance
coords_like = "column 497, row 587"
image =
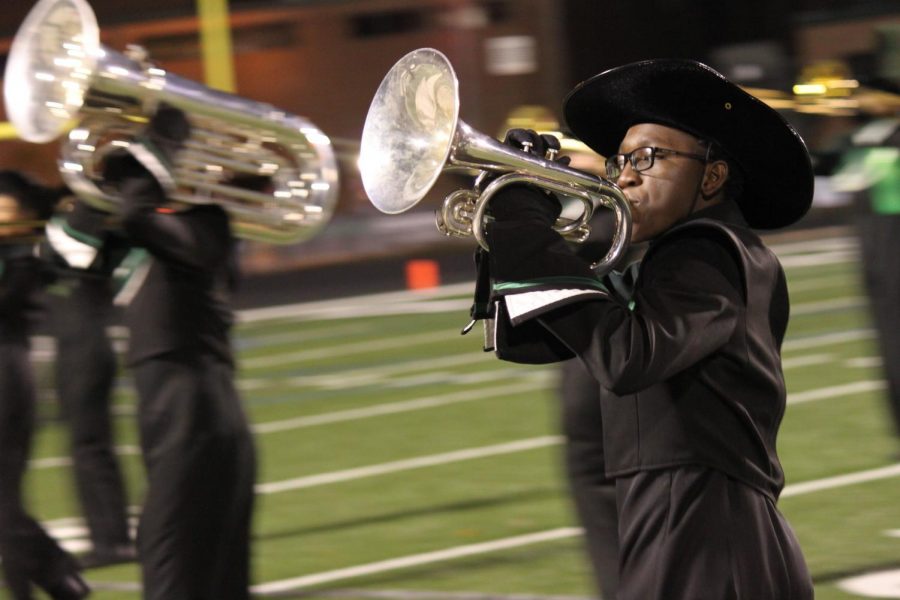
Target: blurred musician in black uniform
column 593, row 493
column 194, row 532
column 869, row 169
column 86, row 250
column 29, row 554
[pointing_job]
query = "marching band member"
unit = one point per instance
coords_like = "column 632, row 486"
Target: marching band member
column 690, row 385
column 87, row 249
column 194, row 532
column 30, row 556
column 870, row 170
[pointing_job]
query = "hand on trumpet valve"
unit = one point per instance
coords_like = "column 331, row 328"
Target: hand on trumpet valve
column 543, row 145
column 523, row 202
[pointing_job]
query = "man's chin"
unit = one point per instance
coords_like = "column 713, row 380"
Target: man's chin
column 636, row 235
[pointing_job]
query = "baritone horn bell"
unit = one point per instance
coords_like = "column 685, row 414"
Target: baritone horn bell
column 59, row 79
column 413, row 133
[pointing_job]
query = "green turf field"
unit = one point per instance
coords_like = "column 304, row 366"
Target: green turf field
column 397, row 460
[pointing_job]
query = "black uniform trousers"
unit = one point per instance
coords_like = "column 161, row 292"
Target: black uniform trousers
column 86, row 370
column 29, row 553
column 693, row 533
column 194, row 532
column 594, row 495
column 880, row 241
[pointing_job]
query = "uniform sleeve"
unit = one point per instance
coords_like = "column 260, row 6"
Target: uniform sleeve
column 195, row 239
column 686, row 307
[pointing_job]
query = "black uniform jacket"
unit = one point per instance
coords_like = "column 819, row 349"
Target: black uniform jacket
column 690, row 366
column 181, row 309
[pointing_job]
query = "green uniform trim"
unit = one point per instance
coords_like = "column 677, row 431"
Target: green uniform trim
column 885, row 194
column 122, row 273
column 75, row 234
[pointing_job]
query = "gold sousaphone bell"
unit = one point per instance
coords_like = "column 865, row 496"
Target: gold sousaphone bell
column 60, row 78
column 413, row 133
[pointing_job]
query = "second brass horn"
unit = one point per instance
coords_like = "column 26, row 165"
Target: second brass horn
column 59, row 75
column 413, row 133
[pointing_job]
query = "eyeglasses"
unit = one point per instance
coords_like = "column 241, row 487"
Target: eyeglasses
column 642, row 159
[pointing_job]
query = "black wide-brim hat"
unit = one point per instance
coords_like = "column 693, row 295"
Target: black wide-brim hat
column 692, row 97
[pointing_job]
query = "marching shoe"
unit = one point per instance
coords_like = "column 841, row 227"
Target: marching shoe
column 70, row 587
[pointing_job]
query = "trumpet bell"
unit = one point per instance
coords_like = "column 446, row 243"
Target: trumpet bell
column 409, row 130
column 49, row 66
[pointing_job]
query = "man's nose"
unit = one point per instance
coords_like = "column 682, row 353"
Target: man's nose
column 628, row 177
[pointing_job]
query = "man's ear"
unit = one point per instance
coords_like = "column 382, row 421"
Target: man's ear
column 714, row 179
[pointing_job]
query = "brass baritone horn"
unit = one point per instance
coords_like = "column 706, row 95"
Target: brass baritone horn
column 412, row 134
column 59, row 75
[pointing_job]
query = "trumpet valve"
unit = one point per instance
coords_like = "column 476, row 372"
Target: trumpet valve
column 456, row 213
column 579, row 235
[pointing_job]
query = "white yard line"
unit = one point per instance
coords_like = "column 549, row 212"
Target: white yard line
column 819, row 259
column 52, row 462
column 849, row 389
column 832, row 304
column 815, row 284
column 415, row 560
column 806, row 360
column 363, row 305
column 397, row 466
column 831, row 243
column 838, row 337
column 366, row 375
column 390, row 408
column 384, row 343
column 830, row 483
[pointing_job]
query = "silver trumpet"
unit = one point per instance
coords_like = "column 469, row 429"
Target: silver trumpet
column 413, row 133
column 60, row 78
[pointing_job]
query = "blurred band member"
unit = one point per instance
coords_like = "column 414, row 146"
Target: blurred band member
column 870, row 169
column 30, row 556
column 194, row 533
column 593, row 493
column 87, row 250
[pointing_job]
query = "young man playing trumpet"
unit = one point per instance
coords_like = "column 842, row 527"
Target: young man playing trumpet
column 687, row 357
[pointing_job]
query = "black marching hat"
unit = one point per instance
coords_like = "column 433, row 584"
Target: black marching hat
column 692, row 97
